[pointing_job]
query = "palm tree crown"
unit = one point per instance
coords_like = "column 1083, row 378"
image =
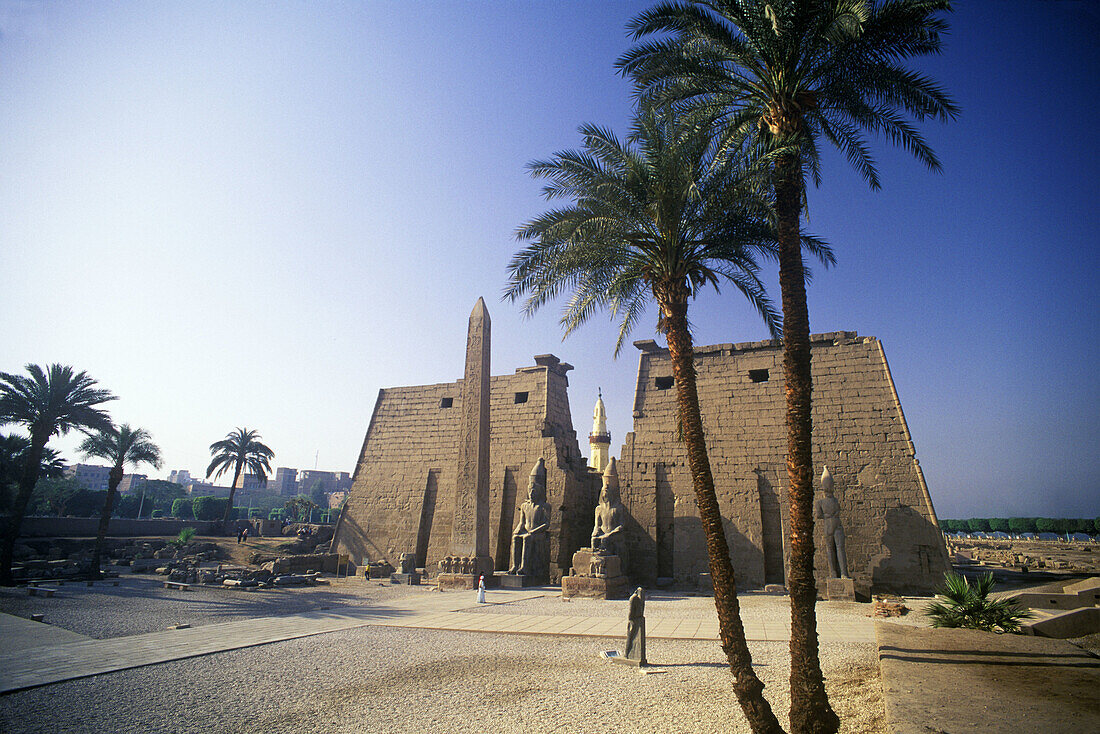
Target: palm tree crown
column 53, row 401
column 240, row 449
column 789, row 73
column 122, row 446
column 658, row 216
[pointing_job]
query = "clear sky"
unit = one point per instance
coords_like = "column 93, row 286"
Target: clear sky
column 258, row 214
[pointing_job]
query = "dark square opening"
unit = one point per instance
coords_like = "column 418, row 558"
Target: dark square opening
column 521, row 397
column 446, row 402
column 758, row 375
column 664, row 383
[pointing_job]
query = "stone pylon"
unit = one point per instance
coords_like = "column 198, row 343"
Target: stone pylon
column 469, row 556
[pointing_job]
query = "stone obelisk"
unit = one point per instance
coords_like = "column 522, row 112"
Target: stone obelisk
column 469, row 556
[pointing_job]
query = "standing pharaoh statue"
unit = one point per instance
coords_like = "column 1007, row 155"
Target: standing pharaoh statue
column 827, row 509
column 610, row 514
column 530, row 539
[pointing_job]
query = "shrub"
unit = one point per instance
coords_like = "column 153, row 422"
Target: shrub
column 966, row 604
column 183, row 508
column 277, row 514
column 156, row 514
column 212, row 508
column 184, row 537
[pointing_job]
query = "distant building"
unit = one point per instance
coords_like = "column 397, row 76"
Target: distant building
column 330, row 481
column 90, row 476
column 285, row 482
column 132, row 483
column 180, row 476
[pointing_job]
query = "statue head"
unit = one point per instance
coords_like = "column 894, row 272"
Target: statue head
column 536, row 485
column 609, row 493
column 827, row 481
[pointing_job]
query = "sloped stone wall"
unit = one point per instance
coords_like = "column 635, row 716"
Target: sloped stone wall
column 893, row 539
column 403, row 491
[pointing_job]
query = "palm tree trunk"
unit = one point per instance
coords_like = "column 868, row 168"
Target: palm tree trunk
column 747, row 686
column 113, row 480
column 26, row 489
column 232, row 492
column 810, row 710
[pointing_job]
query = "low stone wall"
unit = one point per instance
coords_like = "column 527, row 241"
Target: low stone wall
column 87, row 527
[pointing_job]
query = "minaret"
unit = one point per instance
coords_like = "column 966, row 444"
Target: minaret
column 600, row 438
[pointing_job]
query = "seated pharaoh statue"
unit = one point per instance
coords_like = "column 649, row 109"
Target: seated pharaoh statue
column 530, row 539
column 608, row 526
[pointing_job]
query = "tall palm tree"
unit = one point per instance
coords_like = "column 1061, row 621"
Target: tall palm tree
column 120, row 446
column 780, row 76
column 13, row 456
column 240, row 449
column 48, row 402
column 659, row 217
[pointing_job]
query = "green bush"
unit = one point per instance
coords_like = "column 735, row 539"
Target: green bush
column 212, row 508
column 183, row 508
column 156, row 514
column 966, row 604
column 277, row 514
column 184, row 537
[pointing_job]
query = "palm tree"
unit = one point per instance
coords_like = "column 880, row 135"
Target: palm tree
column 240, row 448
column 780, row 76
column 659, row 217
column 120, row 446
column 13, row 455
column 48, row 402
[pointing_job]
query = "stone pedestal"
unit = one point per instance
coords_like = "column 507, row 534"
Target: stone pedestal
column 840, row 590
column 464, row 581
column 595, row 576
column 515, row 581
column 590, row 587
column 411, row 579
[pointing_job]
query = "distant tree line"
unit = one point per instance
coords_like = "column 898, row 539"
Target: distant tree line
column 1060, row 525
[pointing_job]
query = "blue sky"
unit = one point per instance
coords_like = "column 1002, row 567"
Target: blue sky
column 259, row 214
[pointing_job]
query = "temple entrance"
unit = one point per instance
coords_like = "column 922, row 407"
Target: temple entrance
column 507, row 516
column 771, row 526
column 427, row 516
column 666, row 523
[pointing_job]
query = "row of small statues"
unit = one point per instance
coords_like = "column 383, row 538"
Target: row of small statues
column 458, row 564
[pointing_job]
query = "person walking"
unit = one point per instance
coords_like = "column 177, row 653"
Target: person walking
column 480, row 589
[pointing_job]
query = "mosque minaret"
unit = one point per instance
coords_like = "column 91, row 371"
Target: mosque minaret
column 600, row 438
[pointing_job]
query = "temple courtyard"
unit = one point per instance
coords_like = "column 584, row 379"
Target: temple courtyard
column 359, row 656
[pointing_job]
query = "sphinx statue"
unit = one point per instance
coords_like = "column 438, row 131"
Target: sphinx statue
column 530, row 539
column 610, row 514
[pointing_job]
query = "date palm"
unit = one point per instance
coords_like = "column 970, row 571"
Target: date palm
column 781, row 77
column 13, row 455
column 120, row 446
column 240, row 449
column 657, row 218
column 46, row 402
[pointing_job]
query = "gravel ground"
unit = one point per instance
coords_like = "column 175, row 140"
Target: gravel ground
column 377, row 679
column 140, row 604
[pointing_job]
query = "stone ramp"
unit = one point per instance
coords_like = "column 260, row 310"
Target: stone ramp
column 951, row 681
column 20, row 634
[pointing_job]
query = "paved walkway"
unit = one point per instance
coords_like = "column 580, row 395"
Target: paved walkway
column 956, row 680
column 58, row 655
